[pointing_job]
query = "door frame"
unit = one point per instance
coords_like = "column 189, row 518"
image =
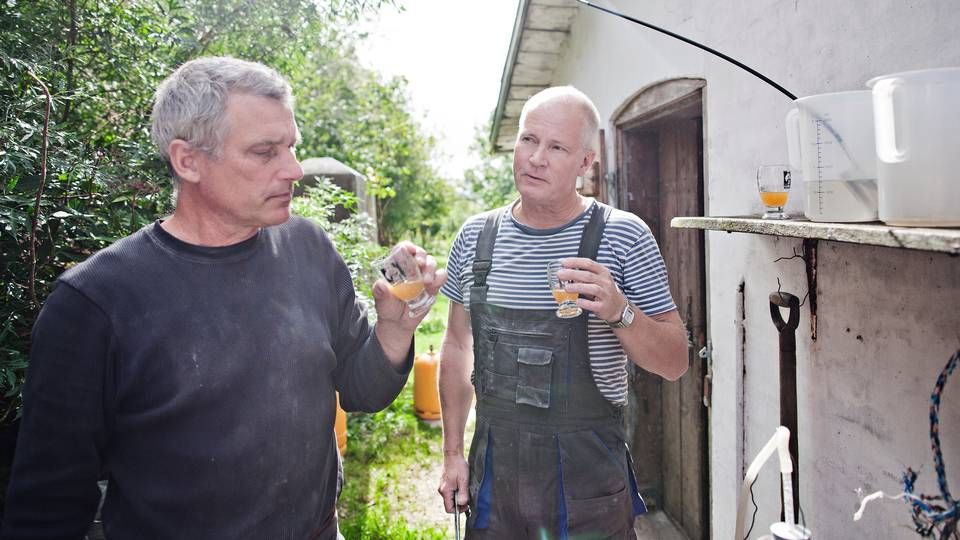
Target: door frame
column 648, row 111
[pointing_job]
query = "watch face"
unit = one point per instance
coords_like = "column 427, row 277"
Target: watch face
column 626, row 317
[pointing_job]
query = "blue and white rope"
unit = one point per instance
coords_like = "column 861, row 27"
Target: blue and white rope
column 934, row 514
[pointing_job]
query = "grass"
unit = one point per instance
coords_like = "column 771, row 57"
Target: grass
column 381, row 450
column 391, row 463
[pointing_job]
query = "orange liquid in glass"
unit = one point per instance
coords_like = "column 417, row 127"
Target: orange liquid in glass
column 774, row 198
column 562, row 296
column 407, row 290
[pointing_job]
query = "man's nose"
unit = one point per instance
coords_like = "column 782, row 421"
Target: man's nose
column 539, row 157
column 293, row 171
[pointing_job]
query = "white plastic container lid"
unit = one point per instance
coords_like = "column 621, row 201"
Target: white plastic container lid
column 789, row 531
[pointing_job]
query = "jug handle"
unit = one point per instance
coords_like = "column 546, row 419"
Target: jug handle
column 884, row 124
column 792, row 125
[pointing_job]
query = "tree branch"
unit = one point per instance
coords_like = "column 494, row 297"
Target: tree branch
column 207, row 38
column 36, row 206
column 71, row 42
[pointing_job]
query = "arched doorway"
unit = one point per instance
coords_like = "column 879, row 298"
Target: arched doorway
column 659, row 154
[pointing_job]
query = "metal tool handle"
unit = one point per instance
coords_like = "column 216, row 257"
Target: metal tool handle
column 779, row 300
column 788, row 387
column 456, row 515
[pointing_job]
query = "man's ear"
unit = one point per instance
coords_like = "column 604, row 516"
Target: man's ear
column 185, row 160
column 588, row 158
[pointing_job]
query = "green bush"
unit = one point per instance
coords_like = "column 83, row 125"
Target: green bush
column 351, row 236
column 77, row 169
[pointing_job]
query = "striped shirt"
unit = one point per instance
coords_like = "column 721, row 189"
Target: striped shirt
column 517, row 279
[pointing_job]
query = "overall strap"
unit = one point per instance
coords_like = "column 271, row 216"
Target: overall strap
column 483, row 258
column 590, row 241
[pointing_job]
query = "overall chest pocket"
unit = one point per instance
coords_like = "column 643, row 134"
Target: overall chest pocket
column 535, row 369
column 521, row 364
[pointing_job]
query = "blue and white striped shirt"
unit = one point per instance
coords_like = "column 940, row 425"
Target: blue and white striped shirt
column 518, row 277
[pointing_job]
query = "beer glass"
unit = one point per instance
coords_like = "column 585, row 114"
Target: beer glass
column 773, row 181
column 566, row 300
column 402, row 273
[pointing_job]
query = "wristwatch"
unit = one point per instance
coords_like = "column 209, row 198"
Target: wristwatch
column 626, row 318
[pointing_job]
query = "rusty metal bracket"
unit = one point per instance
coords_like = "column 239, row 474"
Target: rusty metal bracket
column 809, row 257
column 810, row 262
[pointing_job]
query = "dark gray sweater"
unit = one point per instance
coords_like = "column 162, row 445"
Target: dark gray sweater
column 200, row 382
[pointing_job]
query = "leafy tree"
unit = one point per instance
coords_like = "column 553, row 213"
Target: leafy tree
column 348, row 114
column 490, row 183
column 77, row 169
column 66, row 138
column 350, row 236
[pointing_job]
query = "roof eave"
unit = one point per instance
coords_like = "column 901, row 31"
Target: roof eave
column 507, row 78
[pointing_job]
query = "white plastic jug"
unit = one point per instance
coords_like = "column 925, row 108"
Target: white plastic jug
column 830, row 141
column 917, row 117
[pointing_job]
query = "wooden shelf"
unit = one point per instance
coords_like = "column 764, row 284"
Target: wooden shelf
column 874, row 233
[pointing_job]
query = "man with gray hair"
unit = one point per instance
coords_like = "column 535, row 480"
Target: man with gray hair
column 549, row 457
column 194, row 364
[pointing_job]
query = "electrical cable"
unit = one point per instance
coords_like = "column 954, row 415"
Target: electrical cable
column 753, row 518
column 689, row 41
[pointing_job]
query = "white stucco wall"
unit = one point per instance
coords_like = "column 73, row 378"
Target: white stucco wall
column 888, row 319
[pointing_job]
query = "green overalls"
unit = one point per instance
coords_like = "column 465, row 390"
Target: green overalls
column 548, row 458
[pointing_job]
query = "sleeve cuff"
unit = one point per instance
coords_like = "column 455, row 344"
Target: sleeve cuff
column 388, row 368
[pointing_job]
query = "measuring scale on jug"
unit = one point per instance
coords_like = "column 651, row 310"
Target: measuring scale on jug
column 830, row 141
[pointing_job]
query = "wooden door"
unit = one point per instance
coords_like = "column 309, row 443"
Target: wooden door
column 662, row 177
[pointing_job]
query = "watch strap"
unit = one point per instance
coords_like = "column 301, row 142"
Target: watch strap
column 621, row 323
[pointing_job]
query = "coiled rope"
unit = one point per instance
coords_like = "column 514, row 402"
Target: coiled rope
column 927, row 513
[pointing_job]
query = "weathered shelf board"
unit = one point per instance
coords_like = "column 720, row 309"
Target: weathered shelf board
column 874, row 234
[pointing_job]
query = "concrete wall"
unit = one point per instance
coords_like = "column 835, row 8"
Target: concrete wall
column 888, row 319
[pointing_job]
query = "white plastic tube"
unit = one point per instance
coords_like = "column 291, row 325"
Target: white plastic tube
column 780, row 442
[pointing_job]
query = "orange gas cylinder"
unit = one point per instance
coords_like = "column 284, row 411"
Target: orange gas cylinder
column 426, row 394
column 340, row 427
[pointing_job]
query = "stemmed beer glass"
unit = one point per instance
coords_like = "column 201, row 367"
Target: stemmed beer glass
column 773, row 181
column 567, row 301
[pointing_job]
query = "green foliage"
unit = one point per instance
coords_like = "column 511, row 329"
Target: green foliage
column 430, row 331
column 490, row 182
column 92, row 142
column 348, row 114
column 378, row 524
column 100, row 179
column 352, row 236
column 381, row 449
column 84, row 175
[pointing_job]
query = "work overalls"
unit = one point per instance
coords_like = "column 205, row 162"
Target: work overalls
column 548, row 458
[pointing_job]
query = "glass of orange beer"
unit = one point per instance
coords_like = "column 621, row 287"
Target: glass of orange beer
column 402, row 273
column 773, row 181
column 566, row 300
